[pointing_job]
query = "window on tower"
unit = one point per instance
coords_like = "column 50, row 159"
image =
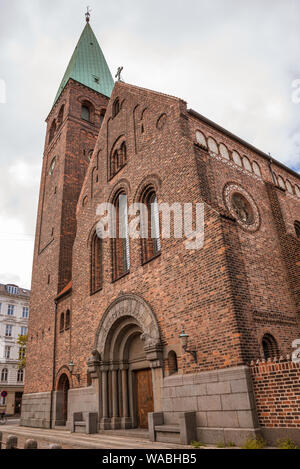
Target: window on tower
column 52, row 131
column 85, row 113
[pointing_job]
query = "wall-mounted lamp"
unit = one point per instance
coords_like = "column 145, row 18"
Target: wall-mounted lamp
column 71, row 366
column 184, row 342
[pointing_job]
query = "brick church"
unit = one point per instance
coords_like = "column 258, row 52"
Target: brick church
column 129, row 333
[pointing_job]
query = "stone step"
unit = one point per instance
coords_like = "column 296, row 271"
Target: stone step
column 139, row 433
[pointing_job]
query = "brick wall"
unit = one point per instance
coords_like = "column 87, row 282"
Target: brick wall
column 276, row 387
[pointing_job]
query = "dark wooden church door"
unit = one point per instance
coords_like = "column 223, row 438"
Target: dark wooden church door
column 144, row 396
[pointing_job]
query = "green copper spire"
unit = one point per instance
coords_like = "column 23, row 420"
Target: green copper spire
column 88, row 65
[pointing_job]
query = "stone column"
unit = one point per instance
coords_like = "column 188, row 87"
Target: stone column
column 115, row 421
column 105, row 421
column 126, row 420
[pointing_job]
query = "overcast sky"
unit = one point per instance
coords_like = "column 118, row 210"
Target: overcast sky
column 233, row 61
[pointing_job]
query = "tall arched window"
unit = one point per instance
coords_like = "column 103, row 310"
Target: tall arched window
column 116, row 108
column 60, row 116
column 4, row 375
column 121, row 249
column 52, row 131
column 270, row 346
column 151, row 243
column 118, row 158
column 68, row 319
column 102, row 115
column 96, row 263
column 62, row 322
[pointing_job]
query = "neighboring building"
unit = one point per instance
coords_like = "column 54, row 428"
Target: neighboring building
column 120, row 304
column 14, row 313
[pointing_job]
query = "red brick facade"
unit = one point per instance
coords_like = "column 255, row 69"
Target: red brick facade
column 241, row 285
column 228, row 294
column 277, row 392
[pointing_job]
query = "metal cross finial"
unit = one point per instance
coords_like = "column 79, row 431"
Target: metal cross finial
column 118, row 75
column 88, row 14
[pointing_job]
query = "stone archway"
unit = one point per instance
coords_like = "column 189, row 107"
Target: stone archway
column 129, row 348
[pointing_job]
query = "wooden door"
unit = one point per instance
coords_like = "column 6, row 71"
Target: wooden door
column 144, row 396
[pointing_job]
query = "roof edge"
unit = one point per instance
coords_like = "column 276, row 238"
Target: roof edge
column 243, row 142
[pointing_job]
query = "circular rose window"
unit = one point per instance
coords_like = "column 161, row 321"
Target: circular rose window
column 242, row 206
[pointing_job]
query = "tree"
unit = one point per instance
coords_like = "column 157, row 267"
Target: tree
column 22, row 341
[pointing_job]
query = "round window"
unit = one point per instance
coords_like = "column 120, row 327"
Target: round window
column 242, row 209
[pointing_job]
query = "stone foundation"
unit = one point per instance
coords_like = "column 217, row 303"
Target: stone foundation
column 36, row 410
column 223, row 401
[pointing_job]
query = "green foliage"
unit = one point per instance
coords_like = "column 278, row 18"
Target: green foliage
column 221, row 444
column 22, row 341
column 197, row 444
column 287, row 444
column 230, row 444
column 255, row 443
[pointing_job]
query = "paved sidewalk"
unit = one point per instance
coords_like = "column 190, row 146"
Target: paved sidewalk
column 81, row 441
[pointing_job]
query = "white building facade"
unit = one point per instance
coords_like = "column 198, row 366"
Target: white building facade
column 14, row 313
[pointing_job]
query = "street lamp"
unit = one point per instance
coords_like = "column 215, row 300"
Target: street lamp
column 184, row 342
column 71, row 366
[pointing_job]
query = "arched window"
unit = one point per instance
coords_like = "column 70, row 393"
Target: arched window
column 4, row 375
column 121, row 249
column 68, row 320
column 62, row 322
column 60, row 116
column 102, row 115
column 281, row 182
column 201, row 140
column 270, row 346
column 212, row 145
column 224, row 151
column 52, row 166
column 236, row 158
column 289, row 187
column 150, row 232
column 247, row 164
column 52, row 131
column 116, row 108
column 87, row 111
column 297, row 228
column 96, row 263
column 256, row 169
column 20, row 375
column 118, row 158
column 297, row 190
column 172, row 362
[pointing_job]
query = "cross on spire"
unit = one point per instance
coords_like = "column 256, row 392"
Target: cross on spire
column 88, row 14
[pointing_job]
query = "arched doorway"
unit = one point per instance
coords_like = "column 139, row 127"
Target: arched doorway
column 63, row 388
column 128, row 341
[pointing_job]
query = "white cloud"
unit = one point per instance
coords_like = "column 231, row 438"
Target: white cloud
column 233, row 64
